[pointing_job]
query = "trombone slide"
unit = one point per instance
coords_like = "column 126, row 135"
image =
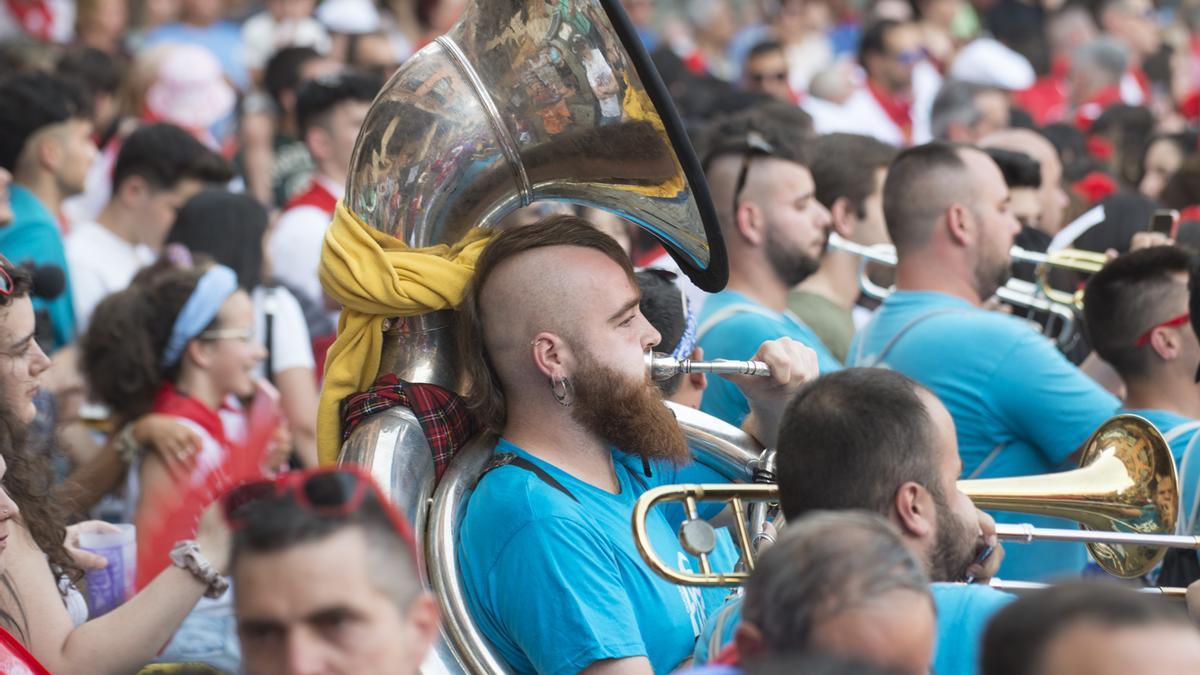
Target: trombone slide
column 1173, row 592
column 1026, row 533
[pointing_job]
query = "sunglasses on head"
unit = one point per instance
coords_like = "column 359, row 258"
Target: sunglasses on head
column 756, row 146
column 333, row 492
column 6, row 282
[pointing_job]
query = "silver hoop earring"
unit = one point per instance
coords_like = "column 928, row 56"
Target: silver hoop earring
column 566, row 396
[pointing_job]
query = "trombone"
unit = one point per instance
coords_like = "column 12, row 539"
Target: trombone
column 1060, row 307
column 1125, row 496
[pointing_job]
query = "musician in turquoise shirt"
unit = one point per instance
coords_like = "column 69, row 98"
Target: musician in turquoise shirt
column 1136, row 314
column 775, row 231
column 1019, row 406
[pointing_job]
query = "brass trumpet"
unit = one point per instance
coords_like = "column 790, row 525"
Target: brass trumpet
column 1125, row 496
column 661, row 366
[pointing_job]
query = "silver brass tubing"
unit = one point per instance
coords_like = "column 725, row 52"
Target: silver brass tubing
column 1026, row 533
column 662, row 367
column 1023, row 586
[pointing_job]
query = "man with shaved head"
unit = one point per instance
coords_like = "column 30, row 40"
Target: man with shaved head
column 1020, row 408
column 552, row 342
column 775, row 230
column 1054, row 198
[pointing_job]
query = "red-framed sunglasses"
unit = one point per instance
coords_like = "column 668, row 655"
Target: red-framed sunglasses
column 1144, row 338
column 6, row 282
column 331, row 492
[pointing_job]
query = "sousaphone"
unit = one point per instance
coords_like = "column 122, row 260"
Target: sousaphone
column 519, row 102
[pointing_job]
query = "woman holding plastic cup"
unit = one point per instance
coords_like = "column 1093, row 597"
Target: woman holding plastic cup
column 32, row 610
column 180, row 342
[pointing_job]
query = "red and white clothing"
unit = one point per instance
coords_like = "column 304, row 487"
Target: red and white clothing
column 15, row 659
column 872, row 112
column 45, row 20
column 295, row 245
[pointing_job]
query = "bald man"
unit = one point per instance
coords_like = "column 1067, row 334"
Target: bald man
column 1054, row 197
column 552, row 343
column 1019, row 407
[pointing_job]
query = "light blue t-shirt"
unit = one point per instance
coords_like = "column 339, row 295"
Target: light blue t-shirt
column 1020, row 407
column 556, row 583
column 1189, row 470
column 738, row 336
column 963, row 611
column 33, row 236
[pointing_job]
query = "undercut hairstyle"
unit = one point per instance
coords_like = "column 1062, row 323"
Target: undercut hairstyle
column 844, row 166
column 1126, row 298
column 226, row 226
column 662, row 303
column 317, row 98
column 823, row 565
column 1019, row 636
column 915, row 195
column 274, row 525
column 485, row 395
column 284, row 70
column 32, row 101
column 874, row 39
column 1019, row 169
column 164, row 154
column 954, row 104
column 121, row 355
column 782, row 126
column 829, row 460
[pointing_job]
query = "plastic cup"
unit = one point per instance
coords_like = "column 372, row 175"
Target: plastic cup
column 113, row 585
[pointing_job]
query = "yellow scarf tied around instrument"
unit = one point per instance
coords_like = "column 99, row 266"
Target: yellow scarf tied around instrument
column 376, row 276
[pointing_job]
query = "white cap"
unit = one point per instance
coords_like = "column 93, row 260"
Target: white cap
column 988, row 63
column 352, row 17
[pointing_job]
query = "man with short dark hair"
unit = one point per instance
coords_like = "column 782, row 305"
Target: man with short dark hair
column 775, row 231
column 329, row 113
column 873, row 439
column 46, row 142
column 326, row 579
column 1090, row 629
column 1019, row 406
column 1136, row 316
column 552, row 345
column 837, row 583
column 849, row 171
column 766, row 70
column 158, row 169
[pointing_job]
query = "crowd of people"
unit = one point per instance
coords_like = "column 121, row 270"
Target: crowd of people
column 168, row 174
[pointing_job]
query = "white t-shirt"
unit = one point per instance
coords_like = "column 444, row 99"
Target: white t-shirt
column 291, row 346
column 100, row 263
column 295, row 245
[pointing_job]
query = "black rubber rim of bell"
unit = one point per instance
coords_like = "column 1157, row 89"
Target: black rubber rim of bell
column 714, row 277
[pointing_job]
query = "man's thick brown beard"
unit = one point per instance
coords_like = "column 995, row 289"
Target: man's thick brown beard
column 628, row 414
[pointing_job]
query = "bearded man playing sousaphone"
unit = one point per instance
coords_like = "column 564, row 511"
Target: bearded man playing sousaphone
column 552, row 342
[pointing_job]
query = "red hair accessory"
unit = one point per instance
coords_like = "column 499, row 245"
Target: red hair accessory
column 1095, row 186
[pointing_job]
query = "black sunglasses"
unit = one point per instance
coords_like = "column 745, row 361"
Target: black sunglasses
column 755, row 146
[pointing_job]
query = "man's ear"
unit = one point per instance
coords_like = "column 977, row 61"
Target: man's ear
column 913, row 508
column 960, row 225
column 425, row 619
column 132, row 190
column 749, row 641
column 845, row 218
column 48, row 151
column 319, row 142
column 1166, row 343
column 751, row 223
column 552, row 355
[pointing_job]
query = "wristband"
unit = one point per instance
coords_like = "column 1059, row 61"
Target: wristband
column 186, row 555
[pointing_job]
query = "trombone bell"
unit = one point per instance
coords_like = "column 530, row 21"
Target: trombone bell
column 1126, row 483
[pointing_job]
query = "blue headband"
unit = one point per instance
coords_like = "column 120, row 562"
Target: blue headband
column 687, row 341
column 213, row 289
